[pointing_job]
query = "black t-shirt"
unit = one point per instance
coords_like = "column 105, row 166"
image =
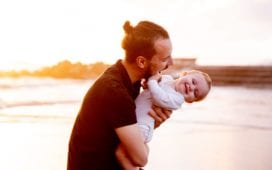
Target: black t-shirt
column 108, row 104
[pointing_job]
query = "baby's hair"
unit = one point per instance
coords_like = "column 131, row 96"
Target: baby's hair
column 205, row 75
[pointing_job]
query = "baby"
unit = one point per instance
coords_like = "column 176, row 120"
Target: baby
column 169, row 93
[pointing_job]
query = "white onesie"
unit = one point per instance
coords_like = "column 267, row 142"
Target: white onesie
column 160, row 94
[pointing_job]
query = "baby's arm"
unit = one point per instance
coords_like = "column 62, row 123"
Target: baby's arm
column 163, row 98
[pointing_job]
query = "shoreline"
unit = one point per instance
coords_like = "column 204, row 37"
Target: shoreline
column 175, row 146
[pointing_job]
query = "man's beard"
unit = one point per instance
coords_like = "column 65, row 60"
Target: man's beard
column 148, row 72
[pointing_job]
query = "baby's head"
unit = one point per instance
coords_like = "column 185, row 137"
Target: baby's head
column 193, row 85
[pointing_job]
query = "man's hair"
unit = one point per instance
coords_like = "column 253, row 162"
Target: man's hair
column 139, row 40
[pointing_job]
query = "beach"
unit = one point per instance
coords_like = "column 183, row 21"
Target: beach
column 230, row 130
column 31, row 146
column 211, row 147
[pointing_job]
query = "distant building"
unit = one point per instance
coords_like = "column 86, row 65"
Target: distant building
column 226, row 75
column 183, row 63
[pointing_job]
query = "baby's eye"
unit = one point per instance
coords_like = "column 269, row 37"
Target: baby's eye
column 194, row 82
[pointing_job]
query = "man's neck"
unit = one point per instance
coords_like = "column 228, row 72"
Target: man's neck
column 132, row 70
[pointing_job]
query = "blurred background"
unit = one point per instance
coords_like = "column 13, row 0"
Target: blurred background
column 52, row 51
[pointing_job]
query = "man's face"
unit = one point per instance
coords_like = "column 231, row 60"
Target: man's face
column 162, row 59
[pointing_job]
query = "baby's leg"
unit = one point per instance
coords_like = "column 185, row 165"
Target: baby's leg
column 147, row 131
column 123, row 159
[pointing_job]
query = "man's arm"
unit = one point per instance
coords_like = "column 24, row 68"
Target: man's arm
column 132, row 141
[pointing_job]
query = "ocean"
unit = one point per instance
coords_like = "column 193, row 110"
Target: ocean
column 37, row 114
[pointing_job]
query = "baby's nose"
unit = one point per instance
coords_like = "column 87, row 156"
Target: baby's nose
column 191, row 87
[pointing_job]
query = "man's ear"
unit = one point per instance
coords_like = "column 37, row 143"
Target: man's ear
column 141, row 62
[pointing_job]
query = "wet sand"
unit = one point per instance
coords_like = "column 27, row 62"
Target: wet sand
column 43, row 146
column 210, row 147
column 34, row 145
column 231, row 130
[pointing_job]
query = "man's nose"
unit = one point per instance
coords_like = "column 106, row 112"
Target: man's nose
column 170, row 61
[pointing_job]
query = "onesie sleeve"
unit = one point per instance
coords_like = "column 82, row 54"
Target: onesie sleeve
column 167, row 99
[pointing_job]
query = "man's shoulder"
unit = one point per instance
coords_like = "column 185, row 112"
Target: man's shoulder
column 111, row 80
column 112, row 76
column 109, row 84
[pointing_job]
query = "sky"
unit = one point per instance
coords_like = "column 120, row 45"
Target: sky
column 35, row 33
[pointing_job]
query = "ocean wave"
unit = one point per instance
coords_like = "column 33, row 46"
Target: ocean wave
column 28, row 82
column 36, row 103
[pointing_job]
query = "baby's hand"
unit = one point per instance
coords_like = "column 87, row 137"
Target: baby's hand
column 155, row 77
column 144, row 83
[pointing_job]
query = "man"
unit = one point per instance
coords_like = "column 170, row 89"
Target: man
column 107, row 115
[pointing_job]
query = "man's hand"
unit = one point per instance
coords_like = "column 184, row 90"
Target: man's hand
column 159, row 114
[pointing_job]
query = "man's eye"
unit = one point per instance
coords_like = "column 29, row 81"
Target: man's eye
column 165, row 59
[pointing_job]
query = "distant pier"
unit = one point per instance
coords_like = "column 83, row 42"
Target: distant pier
column 229, row 75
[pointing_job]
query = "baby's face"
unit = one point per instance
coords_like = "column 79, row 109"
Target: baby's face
column 193, row 87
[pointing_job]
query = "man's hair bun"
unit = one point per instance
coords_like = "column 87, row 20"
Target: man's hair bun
column 127, row 27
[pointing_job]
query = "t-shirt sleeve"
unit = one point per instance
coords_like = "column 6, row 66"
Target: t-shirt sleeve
column 120, row 107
